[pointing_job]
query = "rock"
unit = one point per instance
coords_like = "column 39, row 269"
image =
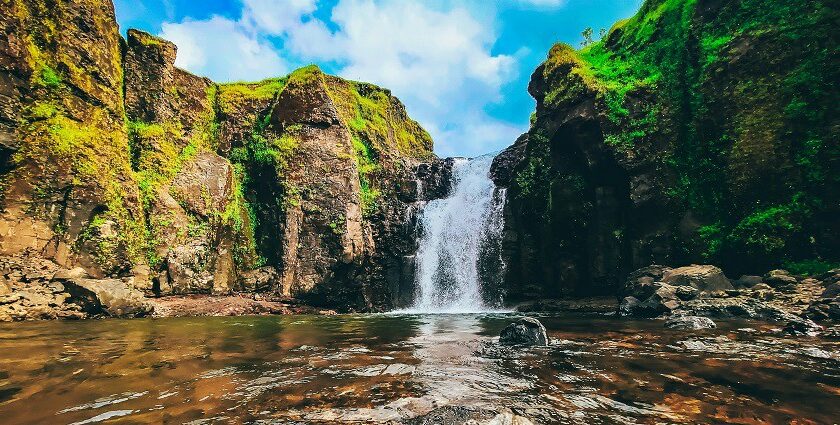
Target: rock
column 526, row 331
column 704, row 278
column 188, row 269
column 802, row 326
column 434, row 179
column 505, row 162
column 5, row 289
column 64, row 274
column 640, row 283
column 690, row 323
column 778, row 278
column 687, row 293
column 107, row 296
column 260, row 280
column 629, row 306
column 831, row 291
column 204, row 184
column 747, row 281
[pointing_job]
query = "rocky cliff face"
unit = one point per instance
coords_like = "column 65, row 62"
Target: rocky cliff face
column 115, row 160
column 697, row 130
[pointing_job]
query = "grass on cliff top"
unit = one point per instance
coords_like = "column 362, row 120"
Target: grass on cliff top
column 233, row 96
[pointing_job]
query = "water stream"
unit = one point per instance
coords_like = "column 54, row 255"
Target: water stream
column 390, row 368
column 458, row 255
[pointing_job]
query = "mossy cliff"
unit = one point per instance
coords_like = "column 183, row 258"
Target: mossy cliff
column 697, row 130
column 116, row 161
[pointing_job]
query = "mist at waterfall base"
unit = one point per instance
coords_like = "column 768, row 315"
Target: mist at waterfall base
column 458, row 262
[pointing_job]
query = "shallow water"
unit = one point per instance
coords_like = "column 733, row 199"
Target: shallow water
column 380, row 368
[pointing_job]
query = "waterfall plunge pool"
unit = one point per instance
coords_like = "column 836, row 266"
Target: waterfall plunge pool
column 390, row 368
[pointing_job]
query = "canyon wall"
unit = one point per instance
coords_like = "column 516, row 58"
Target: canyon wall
column 115, row 161
column 695, row 131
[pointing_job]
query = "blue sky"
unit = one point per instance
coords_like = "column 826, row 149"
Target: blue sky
column 460, row 66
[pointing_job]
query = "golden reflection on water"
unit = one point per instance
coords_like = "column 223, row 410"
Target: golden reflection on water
column 386, row 368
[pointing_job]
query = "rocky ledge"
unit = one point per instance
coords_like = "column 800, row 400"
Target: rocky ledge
column 704, row 291
column 32, row 288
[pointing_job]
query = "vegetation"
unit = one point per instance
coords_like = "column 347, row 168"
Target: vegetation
column 749, row 142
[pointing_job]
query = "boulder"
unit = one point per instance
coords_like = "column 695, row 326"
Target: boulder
column 63, row 274
column 526, row 331
column 640, row 283
column 802, row 326
column 778, row 278
column 690, row 323
column 747, row 281
column 188, row 269
column 260, row 280
column 705, row 278
column 111, row 297
column 663, row 300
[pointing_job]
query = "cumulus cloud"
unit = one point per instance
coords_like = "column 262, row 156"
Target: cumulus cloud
column 223, row 50
column 439, row 61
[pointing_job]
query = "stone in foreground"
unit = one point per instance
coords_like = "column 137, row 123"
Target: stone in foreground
column 526, row 331
column 690, row 323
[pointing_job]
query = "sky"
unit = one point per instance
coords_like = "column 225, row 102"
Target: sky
column 460, row 66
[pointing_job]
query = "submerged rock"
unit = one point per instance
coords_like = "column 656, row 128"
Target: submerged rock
column 690, row 323
column 526, row 331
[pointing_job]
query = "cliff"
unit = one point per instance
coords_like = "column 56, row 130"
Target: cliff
column 115, row 161
column 695, row 131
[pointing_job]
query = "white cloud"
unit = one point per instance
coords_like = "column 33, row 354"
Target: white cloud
column 276, row 17
column 223, row 50
column 439, row 62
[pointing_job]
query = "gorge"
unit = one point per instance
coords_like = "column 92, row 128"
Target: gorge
column 671, row 215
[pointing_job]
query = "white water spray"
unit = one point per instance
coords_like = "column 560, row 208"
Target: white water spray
column 455, row 233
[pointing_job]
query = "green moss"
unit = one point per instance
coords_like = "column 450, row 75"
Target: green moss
column 233, row 96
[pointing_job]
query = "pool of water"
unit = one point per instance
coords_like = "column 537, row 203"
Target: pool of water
column 388, row 368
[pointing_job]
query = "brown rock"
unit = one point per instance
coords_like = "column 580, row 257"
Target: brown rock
column 705, row 278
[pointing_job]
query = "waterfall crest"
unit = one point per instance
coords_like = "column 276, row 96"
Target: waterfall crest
column 458, row 256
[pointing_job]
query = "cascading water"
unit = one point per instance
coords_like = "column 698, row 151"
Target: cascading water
column 457, row 235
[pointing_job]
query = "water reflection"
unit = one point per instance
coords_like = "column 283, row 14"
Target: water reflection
column 386, row 368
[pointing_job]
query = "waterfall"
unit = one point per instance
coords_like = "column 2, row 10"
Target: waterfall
column 459, row 255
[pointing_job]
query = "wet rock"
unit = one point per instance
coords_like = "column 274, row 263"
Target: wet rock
column 107, row 296
column 690, row 323
column 434, row 178
column 663, row 300
column 704, row 278
column 640, row 283
column 526, row 331
column 506, row 161
column 468, row 416
column 778, row 278
column 802, row 326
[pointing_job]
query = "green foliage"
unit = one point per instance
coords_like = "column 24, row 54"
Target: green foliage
column 48, row 77
column 811, row 267
column 233, row 96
